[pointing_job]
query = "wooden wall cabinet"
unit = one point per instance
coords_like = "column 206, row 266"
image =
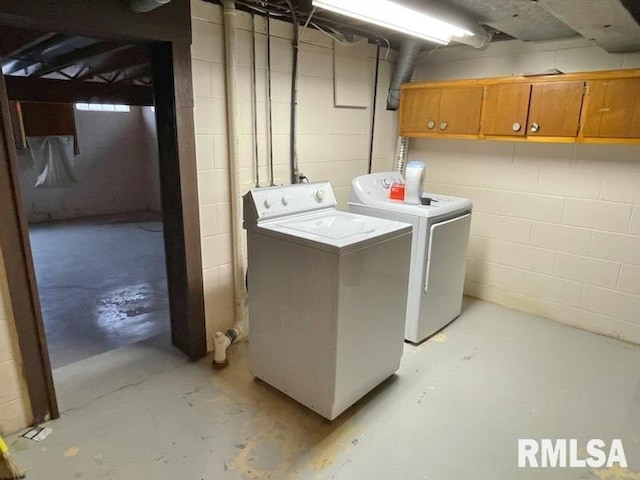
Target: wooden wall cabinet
column 553, row 108
column 533, row 109
column 447, row 111
column 612, row 108
column 506, row 109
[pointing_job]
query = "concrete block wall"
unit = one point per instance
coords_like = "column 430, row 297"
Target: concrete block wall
column 332, row 143
column 14, row 404
column 556, row 227
column 117, row 169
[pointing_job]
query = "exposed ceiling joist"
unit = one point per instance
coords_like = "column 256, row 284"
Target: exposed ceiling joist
column 136, row 72
column 14, row 41
column 75, row 56
column 26, row 89
column 117, row 60
column 45, row 51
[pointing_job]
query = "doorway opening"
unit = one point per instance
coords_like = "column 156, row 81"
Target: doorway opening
column 96, row 234
column 88, row 172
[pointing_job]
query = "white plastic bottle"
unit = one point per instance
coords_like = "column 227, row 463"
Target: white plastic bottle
column 414, row 177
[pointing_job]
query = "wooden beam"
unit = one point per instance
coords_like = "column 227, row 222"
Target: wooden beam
column 177, row 154
column 27, row 89
column 75, row 56
column 118, row 60
column 14, row 41
column 23, row 292
column 108, row 19
column 33, row 55
column 137, row 72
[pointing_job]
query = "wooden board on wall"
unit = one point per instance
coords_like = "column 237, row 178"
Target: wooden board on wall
column 45, row 119
column 17, row 126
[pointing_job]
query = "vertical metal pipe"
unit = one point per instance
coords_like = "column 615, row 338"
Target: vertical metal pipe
column 270, row 113
column 402, row 151
column 373, row 108
column 254, row 99
column 293, row 154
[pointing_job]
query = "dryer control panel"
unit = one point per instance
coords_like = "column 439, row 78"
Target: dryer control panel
column 375, row 186
column 273, row 202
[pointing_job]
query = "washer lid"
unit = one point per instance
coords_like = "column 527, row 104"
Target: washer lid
column 373, row 191
column 334, row 226
column 335, row 231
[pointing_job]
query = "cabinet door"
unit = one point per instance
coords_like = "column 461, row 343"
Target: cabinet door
column 506, row 108
column 555, row 109
column 460, row 110
column 613, row 110
column 419, row 110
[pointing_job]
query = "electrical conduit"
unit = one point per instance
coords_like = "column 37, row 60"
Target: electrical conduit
column 222, row 340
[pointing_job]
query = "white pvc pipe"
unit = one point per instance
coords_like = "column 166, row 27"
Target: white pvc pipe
column 221, row 340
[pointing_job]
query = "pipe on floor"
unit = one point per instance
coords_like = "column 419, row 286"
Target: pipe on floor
column 241, row 326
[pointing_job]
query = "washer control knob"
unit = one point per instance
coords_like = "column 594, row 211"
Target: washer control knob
column 319, row 194
column 285, row 200
column 267, row 203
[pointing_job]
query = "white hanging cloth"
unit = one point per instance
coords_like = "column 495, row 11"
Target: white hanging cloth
column 53, row 158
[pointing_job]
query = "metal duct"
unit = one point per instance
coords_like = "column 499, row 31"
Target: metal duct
column 407, row 56
column 410, row 47
column 142, row 6
column 480, row 38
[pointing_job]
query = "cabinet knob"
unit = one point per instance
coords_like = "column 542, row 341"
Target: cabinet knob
column 444, row 125
column 534, row 127
column 516, row 127
column 431, row 124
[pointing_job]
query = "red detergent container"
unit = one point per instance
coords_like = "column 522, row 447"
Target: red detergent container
column 396, row 192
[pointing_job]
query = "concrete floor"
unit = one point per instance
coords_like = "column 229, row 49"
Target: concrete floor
column 102, row 283
column 453, row 411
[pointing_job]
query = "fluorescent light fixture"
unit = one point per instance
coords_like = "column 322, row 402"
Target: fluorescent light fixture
column 396, row 17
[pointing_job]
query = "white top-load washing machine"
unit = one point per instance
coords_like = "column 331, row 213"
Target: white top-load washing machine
column 327, row 293
column 438, row 250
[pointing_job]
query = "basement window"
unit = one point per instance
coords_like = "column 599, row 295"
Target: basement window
column 103, row 107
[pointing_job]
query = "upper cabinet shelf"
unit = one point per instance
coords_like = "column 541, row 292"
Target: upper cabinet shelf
column 598, row 107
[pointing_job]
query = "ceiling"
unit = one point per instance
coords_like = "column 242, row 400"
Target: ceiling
column 611, row 24
column 29, row 53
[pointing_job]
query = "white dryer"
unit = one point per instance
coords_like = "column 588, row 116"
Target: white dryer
column 438, row 250
column 327, row 292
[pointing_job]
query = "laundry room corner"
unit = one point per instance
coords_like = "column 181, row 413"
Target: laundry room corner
column 556, row 225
